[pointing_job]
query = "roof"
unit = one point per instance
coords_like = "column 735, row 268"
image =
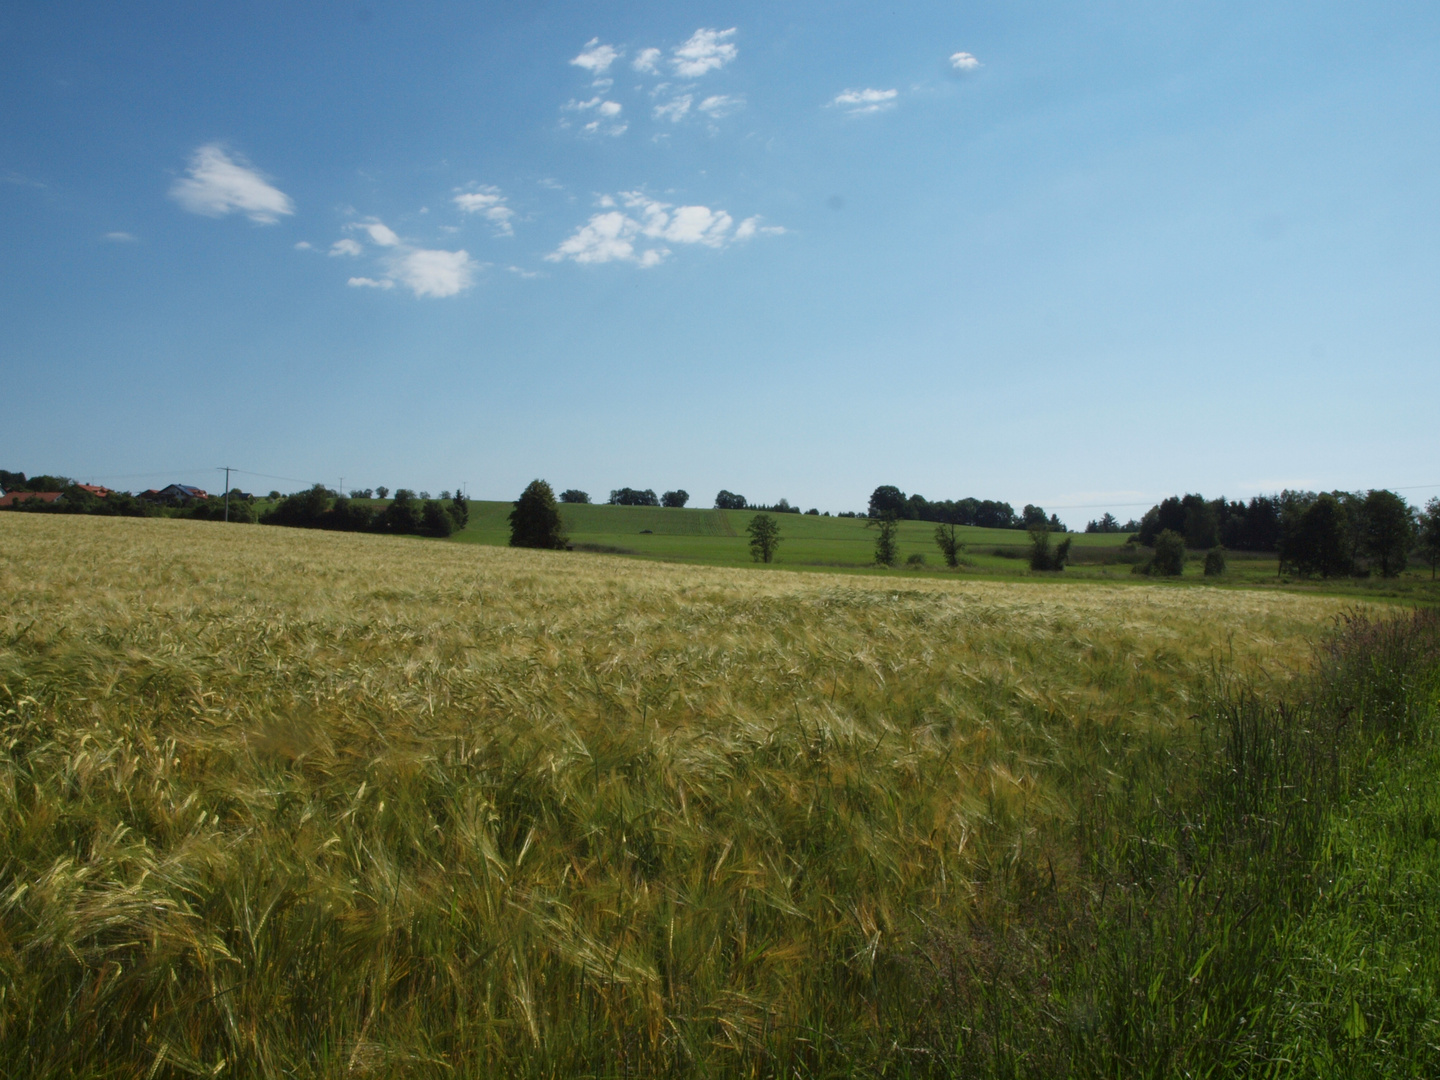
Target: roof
column 94, row 489
column 25, row 496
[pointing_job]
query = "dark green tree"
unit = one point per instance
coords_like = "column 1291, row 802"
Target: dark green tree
column 574, row 495
column 728, row 500
column 1215, row 562
column 402, row 516
column 1202, row 527
column 886, row 499
column 1042, row 555
column 435, row 520
column 1387, row 531
column 535, row 521
column 675, row 499
column 764, row 537
column 1430, row 535
column 1315, row 539
column 1169, row 558
column 949, row 544
column 887, row 547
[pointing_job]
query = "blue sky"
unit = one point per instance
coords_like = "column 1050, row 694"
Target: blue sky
column 1081, row 255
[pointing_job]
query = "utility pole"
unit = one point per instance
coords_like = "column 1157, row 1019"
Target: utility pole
column 227, row 491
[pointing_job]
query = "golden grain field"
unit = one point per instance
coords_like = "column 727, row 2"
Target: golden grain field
column 289, row 802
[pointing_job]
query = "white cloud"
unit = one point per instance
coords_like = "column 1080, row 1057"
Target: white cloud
column 489, row 203
column 707, row 50
column 751, row 227
column 378, row 233
column 304, row 245
column 718, row 105
column 862, row 102
column 346, row 246
column 963, row 61
column 435, row 273
column 606, row 114
column 596, row 58
column 647, row 62
column 520, row 271
column 674, row 110
column 639, row 233
column 220, row 184
column 120, row 237
column 369, row 283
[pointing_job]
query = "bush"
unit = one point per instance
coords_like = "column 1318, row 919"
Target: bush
column 915, row 559
column 1042, row 556
column 1169, row 560
column 535, row 521
column 1215, row 562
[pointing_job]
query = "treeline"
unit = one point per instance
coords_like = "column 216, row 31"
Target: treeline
column 1330, row 533
column 405, row 514
column 889, row 501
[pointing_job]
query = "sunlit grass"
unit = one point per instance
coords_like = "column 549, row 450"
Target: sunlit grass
column 282, row 801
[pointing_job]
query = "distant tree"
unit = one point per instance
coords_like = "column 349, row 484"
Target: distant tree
column 1430, row 535
column 1169, row 560
column 1056, row 525
column 728, row 500
column 1315, row 539
column 273, row 496
column 632, row 497
column 887, row 548
column 402, row 516
column 1042, row 555
column 1033, row 516
column 382, row 491
column 1215, row 562
column 459, row 510
column 535, row 521
column 812, row 512
column 887, row 499
column 764, row 537
column 675, row 499
column 1202, row 528
column 1106, row 524
column 574, row 495
column 12, row 481
column 1387, row 531
column 434, row 521
column 949, row 544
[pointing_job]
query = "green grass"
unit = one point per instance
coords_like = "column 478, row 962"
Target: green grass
column 846, row 545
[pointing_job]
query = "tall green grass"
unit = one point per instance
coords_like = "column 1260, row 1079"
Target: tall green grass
column 307, row 804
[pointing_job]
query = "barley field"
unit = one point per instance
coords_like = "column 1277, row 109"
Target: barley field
column 287, row 803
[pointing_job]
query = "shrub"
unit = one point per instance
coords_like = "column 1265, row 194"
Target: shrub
column 915, row 558
column 1042, row 556
column 535, row 521
column 1169, row 560
column 764, row 537
column 1215, row 562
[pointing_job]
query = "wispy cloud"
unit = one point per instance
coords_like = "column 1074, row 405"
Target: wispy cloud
column 963, row 61
column 707, row 50
column 647, row 61
column 864, row 102
column 304, row 245
column 346, row 246
column 639, row 233
column 607, row 115
column 718, row 105
column 370, row 283
column 675, row 109
column 596, row 58
column 489, row 203
column 378, row 232
column 120, row 237
column 221, row 183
